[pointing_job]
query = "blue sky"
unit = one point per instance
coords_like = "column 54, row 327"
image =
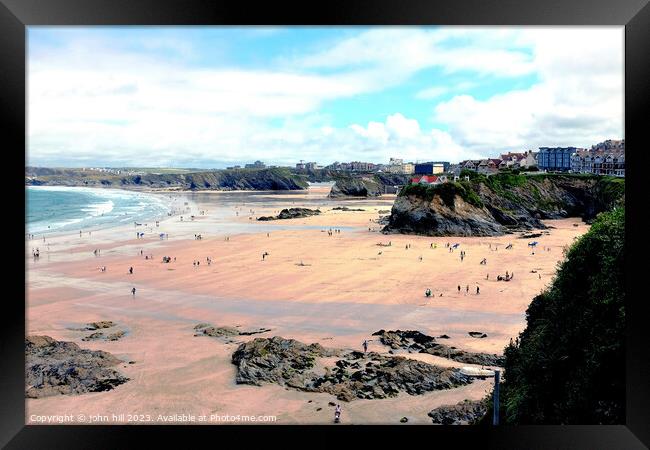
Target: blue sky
column 215, row 96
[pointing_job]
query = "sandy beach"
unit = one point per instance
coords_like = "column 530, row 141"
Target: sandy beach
column 335, row 289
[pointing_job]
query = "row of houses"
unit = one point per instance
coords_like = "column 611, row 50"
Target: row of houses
column 605, row 158
column 510, row 160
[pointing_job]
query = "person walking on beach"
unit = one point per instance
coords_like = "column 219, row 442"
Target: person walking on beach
column 133, row 291
column 459, row 288
column 337, row 414
column 467, row 289
column 131, row 270
column 365, row 346
column 477, row 290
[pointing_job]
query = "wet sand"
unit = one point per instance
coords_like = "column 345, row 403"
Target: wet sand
column 336, row 290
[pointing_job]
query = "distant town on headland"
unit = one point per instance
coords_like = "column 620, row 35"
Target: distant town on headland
column 604, row 158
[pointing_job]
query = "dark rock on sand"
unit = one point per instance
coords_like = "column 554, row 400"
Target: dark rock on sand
column 292, row 213
column 226, row 331
column 345, row 208
column 467, row 412
column 99, row 336
column 414, row 341
column 291, row 363
column 57, row 367
column 101, row 324
column 477, row 334
column 530, row 235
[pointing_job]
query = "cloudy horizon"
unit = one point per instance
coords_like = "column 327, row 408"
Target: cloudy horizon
column 210, row 97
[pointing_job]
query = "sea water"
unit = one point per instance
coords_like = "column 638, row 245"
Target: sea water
column 64, row 209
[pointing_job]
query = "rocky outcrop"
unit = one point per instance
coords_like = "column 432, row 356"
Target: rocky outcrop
column 112, row 335
column 414, row 341
column 467, row 412
column 500, row 204
column 354, row 375
column 225, row 333
column 292, row 213
column 57, row 367
column 355, row 187
column 222, row 180
column 101, row 324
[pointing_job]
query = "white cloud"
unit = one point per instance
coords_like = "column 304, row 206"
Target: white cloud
column 578, row 101
column 432, row 92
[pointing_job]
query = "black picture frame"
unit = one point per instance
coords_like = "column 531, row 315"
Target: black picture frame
column 16, row 15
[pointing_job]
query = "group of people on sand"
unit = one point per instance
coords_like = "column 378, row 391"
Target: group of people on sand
column 478, row 289
column 36, row 253
column 168, row 259
column 198, row 237
column 96, row 252
column 507, row 277
column 428, row 293
column 330, row 232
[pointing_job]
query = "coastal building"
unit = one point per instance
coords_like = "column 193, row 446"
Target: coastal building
column 408, row 168
column 488, row 166
column 427, row 179
column 523, row 160
column 309, row 165
column 429, row 168
column 555, row 159
column 255, row 165
column 600, row 160
column 395, row 165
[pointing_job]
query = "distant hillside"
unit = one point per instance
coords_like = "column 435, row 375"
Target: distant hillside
column 501, row 203
column 568, row 365
column 225, row 180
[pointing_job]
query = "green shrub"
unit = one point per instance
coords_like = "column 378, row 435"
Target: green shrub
column 568, row 365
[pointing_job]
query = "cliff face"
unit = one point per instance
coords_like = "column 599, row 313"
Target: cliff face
column 495, row 205
column 266, row 179
column 367, row 186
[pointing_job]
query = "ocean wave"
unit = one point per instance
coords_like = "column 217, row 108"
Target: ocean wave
column 92, row 208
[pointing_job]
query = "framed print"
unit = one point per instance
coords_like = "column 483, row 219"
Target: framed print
column 295, row 219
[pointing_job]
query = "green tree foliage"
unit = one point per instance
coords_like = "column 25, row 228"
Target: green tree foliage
column 568, row 365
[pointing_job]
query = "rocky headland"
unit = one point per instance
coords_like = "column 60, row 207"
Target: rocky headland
column 501, row 203
column 220, row 180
